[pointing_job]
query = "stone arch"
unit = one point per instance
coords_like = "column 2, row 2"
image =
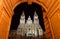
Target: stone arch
column 39, row 3
column 41, row 16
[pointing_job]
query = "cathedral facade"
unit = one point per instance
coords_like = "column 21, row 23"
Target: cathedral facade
column 29, row 28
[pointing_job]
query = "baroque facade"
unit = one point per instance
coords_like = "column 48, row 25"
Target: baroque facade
column 29, row 28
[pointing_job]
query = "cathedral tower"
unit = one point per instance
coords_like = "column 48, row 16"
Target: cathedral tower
column 22, row 20
column 36, row 20
column 21, row 24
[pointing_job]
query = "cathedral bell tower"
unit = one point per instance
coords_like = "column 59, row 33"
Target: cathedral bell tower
column 22, row 23
column 36, row 20
column 22, row 19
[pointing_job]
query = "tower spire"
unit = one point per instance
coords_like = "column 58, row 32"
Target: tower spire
column 22, row 20
column 35, row 14
column 36, row 20
column 23, row 15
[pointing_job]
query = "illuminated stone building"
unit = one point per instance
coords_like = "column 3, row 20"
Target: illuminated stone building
column 29, row 28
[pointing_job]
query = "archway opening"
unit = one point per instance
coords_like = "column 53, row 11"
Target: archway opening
column 28, row 11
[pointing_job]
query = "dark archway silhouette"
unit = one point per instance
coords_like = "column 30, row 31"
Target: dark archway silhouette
column 28, row 10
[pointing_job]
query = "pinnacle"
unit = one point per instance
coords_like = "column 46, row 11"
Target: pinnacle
column 23, row 13
column 35, row 14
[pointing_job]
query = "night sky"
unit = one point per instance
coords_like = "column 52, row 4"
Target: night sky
column 28, row 11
